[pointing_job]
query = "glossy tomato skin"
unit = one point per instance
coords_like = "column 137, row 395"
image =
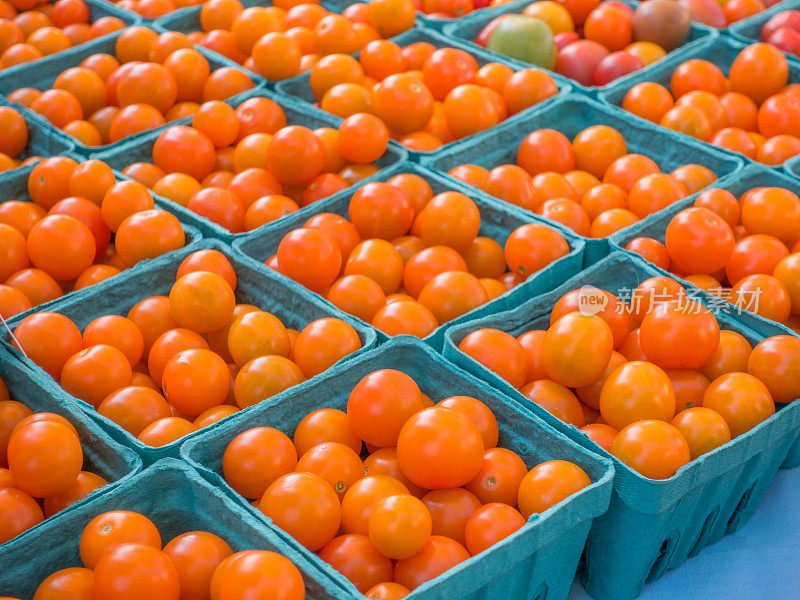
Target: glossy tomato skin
column 774, row 301
column 741, row 399
column 450, row 510
column 384, row 461
column 758, row 253
column 576, row 349
column 49, row 340
column 355, row 557
column 95, row 372
column 11, row 413
column 399, row 526
column 579, row 60
column 615, row 65
column 653, row 448
column 305, row 506
column 380, row 405
column 381, row 210
column 440, row 448
column 564, row 39
column 687, row 326
column 190, row 371
column 531, row 342
column 548, row 484
column 600, row 434
column 359, row 295
column 196, row 555
column 84, row 484
column 133, row 571
column 634, row 391
column 20, row 512
column 482, row 39
column 732, row 355
column 388, row 591
column 479, row 413
column 69, row 583
column 499, row 477
column 44, row 457
column 689, row 386
column 499, row 352
column 699, row 241
column 322, row 343
column 776, row 362
column 115, row 528
column 257, row 457
column 310, row 257
column 437, row 556
column 257, row 574
column 490, row 524
column 337, row 464
column 789, row 19
column 590, row 395
column 362, row 496
column 653, row 291
column 614, row 313
column 556, row 399
column 450, row 295
column 530, row 248
column 703, row 428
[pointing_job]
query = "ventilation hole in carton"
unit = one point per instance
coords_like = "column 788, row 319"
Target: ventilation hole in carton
column 736, row 518
column 662, row 558
column 705, row 531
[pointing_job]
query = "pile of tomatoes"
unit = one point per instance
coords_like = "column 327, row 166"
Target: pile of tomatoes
column 150, row 80
column 123, row 559
column 245, row 167
column 720, row 14
column 41, row 458
column 288, row 38
column 714, row 13
column 62, row 239
column 395, row 489
column 592, row 184
column 654, row 380
column 754, row 110
column 426, row 96
column 179, row 363
column 434, row 490
column 751, row 244
column 30, row 30
column 14, row 140
column 591, row 42
column 783, row 31
column 407, row 261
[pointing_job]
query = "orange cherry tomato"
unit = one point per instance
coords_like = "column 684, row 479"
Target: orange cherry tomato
column 703, row 428
column 548, row 484
column 741, row 399
column 440, row 448
column 381, row 404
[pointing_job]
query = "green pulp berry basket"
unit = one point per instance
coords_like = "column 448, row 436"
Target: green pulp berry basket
column 655, row 525
column 102, row 455
column 497, row 222
column 177, row 500
column 570, row 116
column 536, row 562
column 291, row 303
